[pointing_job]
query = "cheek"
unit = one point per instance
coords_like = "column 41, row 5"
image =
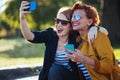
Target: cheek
column 56, row 25
column 67, row 29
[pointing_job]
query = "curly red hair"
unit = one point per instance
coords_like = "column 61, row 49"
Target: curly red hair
column 91, row 12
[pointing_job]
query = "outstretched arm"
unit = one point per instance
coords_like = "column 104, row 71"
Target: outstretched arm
column 23, row 23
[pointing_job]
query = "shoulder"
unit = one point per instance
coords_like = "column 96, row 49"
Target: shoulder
column 102, row 38
column 50, row 29
column 101, row 35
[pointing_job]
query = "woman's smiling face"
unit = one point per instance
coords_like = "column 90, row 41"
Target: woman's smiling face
column 62, row 25
column 79, row 20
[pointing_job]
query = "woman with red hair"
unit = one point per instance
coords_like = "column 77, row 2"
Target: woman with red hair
column 98, row 57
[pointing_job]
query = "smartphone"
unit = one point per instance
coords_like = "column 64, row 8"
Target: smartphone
column 32, row 5
column 70, row 47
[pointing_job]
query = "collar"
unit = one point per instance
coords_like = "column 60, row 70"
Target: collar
column 84, row 38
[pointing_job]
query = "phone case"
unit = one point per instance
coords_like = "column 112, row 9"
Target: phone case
column 32, row 5
column 70, row 47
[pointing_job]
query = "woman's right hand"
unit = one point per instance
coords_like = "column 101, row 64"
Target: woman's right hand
column 22, row 13
column 23, row 23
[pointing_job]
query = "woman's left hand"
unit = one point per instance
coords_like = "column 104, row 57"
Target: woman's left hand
column 75, row 56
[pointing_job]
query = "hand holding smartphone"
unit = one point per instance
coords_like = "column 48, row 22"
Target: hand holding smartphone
column 32, row 5
column 70, row 47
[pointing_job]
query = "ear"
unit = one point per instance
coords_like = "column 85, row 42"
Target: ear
column 90, row 21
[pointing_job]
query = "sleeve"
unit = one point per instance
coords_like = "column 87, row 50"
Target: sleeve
column 104, row 50
column 42, row 36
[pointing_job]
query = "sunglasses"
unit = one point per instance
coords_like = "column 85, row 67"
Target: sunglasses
column 63, row 22
column 77, row 17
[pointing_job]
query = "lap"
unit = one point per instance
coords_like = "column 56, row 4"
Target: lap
column 58, row 72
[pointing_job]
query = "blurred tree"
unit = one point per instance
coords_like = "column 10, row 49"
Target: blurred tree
column 10, row 15
column 111, row 19
column 95, row 3
column 45, row 13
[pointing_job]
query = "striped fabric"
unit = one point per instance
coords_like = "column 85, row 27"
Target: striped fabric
column 84, row 70
column 81, row 66
column 61, row 59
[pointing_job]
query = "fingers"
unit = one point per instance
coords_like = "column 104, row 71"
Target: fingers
column 70, row 51
column 95, row 35
column 77, row 51
column 91, row 37
column 74, row 56
column 22, row 13
column 73, row 52
column 24, row 5
column 92, row 34
column 71, row 56
column 102, row 29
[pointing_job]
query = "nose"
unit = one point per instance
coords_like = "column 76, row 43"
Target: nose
column 73, row 19
column 59, row 24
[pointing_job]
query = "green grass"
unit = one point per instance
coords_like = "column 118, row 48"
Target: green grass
column 14, row 52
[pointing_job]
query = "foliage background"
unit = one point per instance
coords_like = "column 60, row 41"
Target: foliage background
column 43, row 17
column 14, row 50
column 39, row 19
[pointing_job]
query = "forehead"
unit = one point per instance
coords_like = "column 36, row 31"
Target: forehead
column 62, row 17
column 79, row 11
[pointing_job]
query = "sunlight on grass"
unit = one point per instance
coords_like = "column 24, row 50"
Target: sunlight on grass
column 6, row 47
column 18, row 52
column 5, row 62
column 9, row 44
column 117, row 53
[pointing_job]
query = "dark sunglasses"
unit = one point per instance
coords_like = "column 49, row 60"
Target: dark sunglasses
column 63, row 22
column 77, row 17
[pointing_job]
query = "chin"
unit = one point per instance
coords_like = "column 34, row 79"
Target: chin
column 74, row 28
column 59, row 34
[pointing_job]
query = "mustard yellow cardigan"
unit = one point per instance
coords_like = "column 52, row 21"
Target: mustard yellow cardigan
column 102, row 53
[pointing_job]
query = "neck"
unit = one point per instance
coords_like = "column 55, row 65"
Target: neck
column 63, row 40
column 83, row 32
column 61, row 43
